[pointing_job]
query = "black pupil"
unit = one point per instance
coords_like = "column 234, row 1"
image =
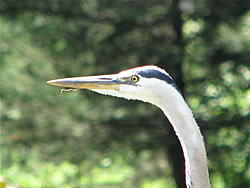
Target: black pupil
column 134, row 78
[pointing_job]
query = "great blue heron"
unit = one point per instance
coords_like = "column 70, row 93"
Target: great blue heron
column 154, row 85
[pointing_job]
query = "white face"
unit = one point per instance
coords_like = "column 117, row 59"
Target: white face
column 137, row 87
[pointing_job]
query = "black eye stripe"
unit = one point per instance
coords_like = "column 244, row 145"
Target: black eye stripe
column 152, row 73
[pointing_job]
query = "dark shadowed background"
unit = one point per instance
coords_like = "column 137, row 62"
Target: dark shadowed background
column 82, row 139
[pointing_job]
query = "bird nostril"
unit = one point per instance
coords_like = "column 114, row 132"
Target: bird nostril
column 105, row 78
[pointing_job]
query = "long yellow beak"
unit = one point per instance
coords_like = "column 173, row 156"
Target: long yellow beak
column 110, row 82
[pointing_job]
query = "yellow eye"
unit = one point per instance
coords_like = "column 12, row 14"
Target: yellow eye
column 134, row 78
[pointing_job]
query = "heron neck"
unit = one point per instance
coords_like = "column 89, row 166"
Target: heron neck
column 187, row 131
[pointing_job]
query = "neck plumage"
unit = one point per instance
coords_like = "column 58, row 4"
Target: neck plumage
column 187, row 131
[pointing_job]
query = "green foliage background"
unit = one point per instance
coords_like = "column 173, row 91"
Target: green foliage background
column 82, row 139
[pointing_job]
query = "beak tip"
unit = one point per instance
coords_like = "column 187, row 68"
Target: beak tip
column 61, row 83
column 51, row 82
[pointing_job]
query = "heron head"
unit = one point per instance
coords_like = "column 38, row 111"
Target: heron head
column 144, row 83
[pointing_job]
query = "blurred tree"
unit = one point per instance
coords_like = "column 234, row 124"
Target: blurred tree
column 80, row 139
